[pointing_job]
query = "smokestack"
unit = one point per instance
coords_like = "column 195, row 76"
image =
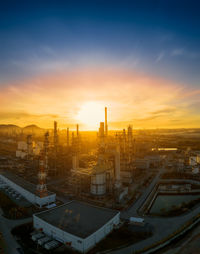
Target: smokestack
column 46, row 150
column 77, row 130
column 124, row 140
column 29, row 146
column 55, row 126
column 68, row 137
column 117, row 167
column 130, row 133
column 101, row 129
column 55, row 134
column 75, row 160
column 130, row 145
column 106, row 123
column 55, row 145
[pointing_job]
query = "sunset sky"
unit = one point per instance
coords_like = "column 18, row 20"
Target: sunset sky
column 67, row 60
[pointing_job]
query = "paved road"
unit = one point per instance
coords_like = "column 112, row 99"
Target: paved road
column 6, row 227
column 132, row 211
column 163, row 227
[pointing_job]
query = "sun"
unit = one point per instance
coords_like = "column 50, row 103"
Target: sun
column 90, row 114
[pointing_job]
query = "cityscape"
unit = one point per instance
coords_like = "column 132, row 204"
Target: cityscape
column 99, row 127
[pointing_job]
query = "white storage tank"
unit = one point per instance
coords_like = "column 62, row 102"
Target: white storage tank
column 193, row 160
column 98, row 183
column 18, row 153
column 22, row 145
column 195, row 170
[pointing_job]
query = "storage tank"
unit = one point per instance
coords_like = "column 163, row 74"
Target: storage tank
column 23, row 155
column 193, row 160
column 22, row 145
column 98, row 183
column 195, row 170
column 98, row 179
column 18, row 153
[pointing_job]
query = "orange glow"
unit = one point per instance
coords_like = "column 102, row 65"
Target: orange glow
column 80, row 97
column 90, row 114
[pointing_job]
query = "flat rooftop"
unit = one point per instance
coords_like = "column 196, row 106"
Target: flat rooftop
column 21, row 182
column 78, row 218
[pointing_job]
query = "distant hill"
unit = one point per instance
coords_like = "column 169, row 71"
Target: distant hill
column 9, row 128
column 33, row 129
column 14, row 129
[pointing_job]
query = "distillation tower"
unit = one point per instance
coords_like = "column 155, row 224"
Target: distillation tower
column 55, row 142
column 43, row 168
column 29, row 146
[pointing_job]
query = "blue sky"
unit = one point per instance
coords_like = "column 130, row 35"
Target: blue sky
column 158, row 37
column 155, row 39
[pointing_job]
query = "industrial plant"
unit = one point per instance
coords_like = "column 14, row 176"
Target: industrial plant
column 70, row 226
column 81, row 188
column 107, row 177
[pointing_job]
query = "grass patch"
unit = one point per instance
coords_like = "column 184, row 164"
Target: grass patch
column 120, row 237
column 2, row 245
column 13, row 211
column 179, row 209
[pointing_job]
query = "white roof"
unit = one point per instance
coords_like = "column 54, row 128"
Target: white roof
column 135, row 219
column 51, row 205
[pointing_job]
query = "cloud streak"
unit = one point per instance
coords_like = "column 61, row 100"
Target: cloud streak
column 142, row 100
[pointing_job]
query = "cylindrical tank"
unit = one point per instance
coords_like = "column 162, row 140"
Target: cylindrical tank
column 98, row 183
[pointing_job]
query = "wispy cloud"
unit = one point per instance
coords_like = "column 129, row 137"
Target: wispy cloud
column 164, row 111
column 185, row 53
column 178, row 52
column 131, row 98
column 160, row 56
column 37, row 65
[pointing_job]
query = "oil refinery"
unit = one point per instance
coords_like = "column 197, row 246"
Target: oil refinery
column 79, row 188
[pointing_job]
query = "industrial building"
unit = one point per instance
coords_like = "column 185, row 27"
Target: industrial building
column 77, row 224
column 29, row 148
column 113, row 170
column 26, row 189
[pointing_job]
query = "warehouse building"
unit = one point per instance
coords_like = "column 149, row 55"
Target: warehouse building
column 26, row 189
column 77, row 224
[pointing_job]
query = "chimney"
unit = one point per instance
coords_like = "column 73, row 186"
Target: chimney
column 68, row 137
column 77, row 130
column 106, row 123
